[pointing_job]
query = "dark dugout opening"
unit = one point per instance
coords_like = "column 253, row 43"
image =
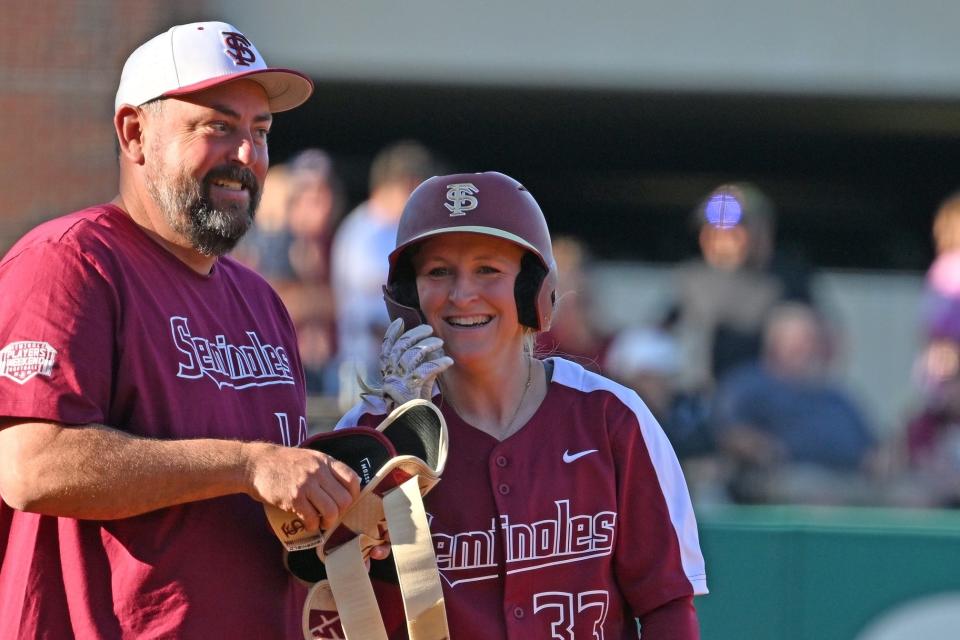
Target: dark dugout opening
column 855, row 180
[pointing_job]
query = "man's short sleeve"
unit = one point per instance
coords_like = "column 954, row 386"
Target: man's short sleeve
column 57, row 324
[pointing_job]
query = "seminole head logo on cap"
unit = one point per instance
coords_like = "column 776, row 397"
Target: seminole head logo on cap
column 239, row 48
column 461, row 197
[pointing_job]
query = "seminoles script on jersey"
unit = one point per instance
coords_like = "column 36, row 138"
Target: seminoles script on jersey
column 252, row 364
column 567, row 537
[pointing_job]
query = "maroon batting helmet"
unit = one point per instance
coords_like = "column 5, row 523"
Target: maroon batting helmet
column 490, row 204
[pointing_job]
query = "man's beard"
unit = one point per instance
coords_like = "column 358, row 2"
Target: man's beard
column 185, row 203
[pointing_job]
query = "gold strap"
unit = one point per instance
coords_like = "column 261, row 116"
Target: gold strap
column 356, row 603
column 412, row 549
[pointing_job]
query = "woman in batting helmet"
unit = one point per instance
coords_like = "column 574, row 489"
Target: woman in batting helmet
column 558, row 465
column 491, row 204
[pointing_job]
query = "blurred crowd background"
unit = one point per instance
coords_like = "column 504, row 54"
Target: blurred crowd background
column 774, row 268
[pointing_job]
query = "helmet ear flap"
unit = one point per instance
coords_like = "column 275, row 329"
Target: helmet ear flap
column 400, row 294
column 547, row 300
column 526, row 290
column 403, row 288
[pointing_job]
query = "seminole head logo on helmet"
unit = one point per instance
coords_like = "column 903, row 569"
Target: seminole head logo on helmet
column 490, row 204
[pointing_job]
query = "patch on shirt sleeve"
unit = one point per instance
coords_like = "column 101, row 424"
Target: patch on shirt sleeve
column 21, row 361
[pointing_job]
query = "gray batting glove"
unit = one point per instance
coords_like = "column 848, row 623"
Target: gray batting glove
column 409, row 363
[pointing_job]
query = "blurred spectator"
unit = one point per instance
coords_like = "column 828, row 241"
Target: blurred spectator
column 648, row 361
column 290, row 246
column 790, row 432
column 359, row 265
column 946, row 225
column 933, row 434
column 723, row 298
column 315, row 206
column 573, row 333
column 266, row 246
column 942, row 296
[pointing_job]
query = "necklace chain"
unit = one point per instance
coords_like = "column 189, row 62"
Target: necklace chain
column 523, row 396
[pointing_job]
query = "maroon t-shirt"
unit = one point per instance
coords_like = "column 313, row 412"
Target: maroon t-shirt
column 99, row 324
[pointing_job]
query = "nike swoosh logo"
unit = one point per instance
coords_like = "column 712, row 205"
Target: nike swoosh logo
column 570, row 457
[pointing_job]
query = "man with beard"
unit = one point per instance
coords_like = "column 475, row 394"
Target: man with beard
column 149, row 384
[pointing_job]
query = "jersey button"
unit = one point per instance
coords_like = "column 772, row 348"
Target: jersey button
column 501, row 461
column 504, row 489
column 518, row 613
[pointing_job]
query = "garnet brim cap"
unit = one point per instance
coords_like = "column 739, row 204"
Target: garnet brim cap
column 193, row 57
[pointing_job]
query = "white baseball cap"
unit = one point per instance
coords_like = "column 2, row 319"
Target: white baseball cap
column 197, row 56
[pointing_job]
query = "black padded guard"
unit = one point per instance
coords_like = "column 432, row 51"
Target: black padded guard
column 351, row 446
column 416, row 433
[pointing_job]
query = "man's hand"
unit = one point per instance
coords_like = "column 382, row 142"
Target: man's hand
column 310, row 484
column 409, row 363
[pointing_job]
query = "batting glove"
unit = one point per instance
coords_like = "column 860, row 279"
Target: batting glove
column 409, row 363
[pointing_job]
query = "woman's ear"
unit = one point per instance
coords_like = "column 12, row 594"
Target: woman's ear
column 128, row 123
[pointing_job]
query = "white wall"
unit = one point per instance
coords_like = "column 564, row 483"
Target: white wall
column 877, row 315
column 871, row 47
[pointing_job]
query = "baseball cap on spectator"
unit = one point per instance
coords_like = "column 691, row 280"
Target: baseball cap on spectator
column 192, row 57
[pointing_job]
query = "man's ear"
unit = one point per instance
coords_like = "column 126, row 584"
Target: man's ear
column 128, row 122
